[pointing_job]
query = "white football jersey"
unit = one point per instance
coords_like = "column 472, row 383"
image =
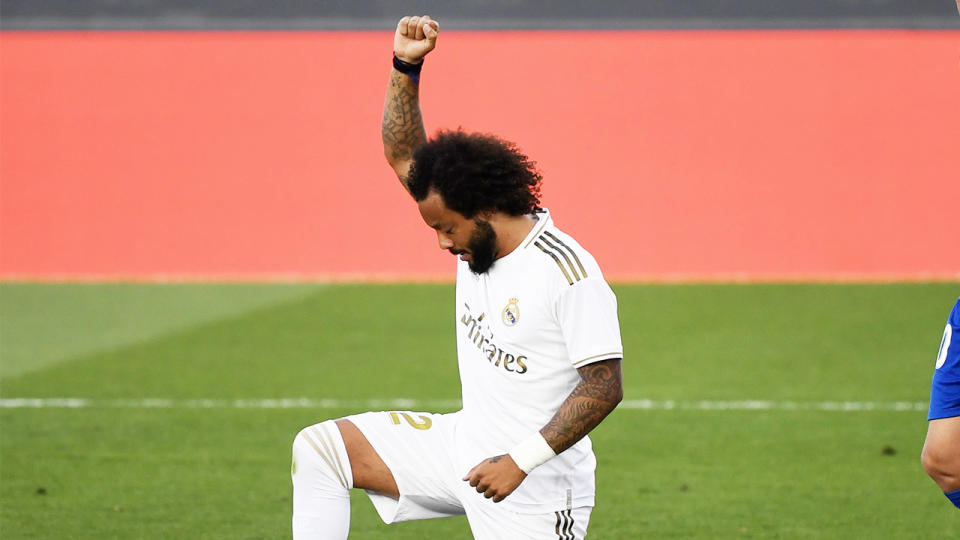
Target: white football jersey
column 523, row 329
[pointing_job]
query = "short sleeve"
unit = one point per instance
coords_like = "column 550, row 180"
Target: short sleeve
column 945, row 388
column 587, row 311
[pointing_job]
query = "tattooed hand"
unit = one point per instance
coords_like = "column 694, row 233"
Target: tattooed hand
column 495, row 477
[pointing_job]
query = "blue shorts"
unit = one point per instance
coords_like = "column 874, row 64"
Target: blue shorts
column 945, row 390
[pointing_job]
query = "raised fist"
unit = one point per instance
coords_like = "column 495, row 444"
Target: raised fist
column 415, row 37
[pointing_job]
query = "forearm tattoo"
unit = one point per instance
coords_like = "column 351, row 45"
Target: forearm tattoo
column 598, row 393
column 402, row 126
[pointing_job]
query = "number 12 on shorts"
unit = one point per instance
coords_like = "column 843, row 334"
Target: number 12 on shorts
column 425, row 422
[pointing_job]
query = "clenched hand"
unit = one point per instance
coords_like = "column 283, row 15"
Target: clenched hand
column 415, row 37
column 496, row 477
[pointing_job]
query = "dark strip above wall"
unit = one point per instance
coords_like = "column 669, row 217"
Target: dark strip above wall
column 475, row 14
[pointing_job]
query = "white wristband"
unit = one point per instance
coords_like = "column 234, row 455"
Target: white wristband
column 532, row 452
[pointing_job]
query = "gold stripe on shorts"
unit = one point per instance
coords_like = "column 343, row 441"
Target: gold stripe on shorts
column 564, row 526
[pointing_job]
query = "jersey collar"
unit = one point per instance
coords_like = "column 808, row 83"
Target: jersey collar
column 543, row 221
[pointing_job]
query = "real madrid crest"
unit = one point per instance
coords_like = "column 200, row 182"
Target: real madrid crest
column 511, row 313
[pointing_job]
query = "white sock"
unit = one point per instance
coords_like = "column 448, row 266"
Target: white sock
column 322, row 479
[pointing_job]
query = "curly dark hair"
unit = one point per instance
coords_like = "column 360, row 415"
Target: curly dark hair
column 475, row 172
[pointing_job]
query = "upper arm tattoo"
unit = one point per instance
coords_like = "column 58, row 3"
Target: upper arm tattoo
column 599, row 392
column 602, row 379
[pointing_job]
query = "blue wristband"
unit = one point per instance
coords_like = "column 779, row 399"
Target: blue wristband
column 413, row 70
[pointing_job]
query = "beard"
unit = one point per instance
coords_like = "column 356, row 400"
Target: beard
column 483, row 247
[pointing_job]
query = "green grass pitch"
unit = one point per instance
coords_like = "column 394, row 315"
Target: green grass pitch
column 187, row 468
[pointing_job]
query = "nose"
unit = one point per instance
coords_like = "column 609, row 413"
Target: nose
column 444, row 241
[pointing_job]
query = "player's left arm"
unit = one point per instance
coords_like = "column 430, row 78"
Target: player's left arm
column 598, row 393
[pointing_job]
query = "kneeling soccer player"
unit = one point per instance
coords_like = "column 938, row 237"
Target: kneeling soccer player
column 538, row 347
column 941, row 450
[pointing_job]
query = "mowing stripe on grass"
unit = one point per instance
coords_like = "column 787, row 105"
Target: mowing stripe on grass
column 431, row 404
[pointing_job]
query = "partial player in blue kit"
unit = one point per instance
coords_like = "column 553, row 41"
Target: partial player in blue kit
column 941, row 450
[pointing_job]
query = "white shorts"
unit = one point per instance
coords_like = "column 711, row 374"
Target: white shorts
column 418, row 449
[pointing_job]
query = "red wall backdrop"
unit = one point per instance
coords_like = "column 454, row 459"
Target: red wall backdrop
column 670, row 155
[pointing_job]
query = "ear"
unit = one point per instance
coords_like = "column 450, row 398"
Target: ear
column 486, row 215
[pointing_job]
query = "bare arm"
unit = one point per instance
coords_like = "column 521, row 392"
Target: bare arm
column 402, row 128
column 599, row 392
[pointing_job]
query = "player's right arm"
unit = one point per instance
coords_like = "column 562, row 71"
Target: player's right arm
column 402, row 126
